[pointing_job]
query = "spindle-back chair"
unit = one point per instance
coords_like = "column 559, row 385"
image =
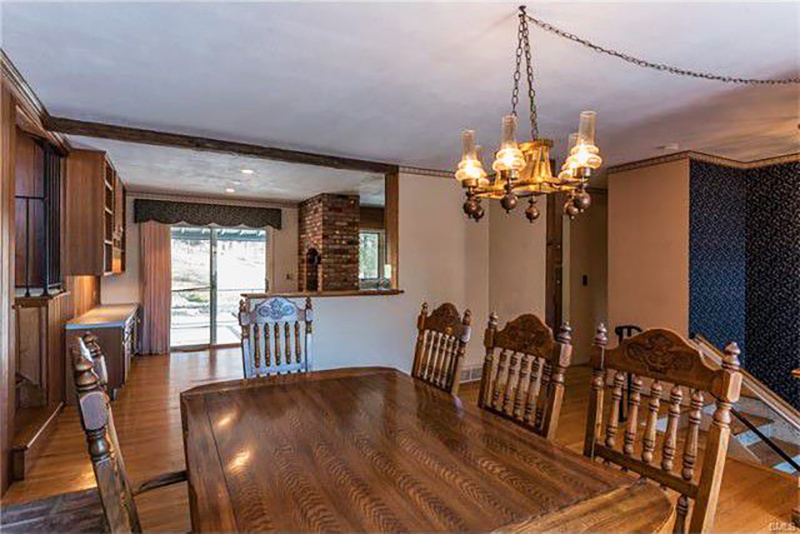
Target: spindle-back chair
column 525, row 383
column 663, row 356
column 273, row 340
column 442, row 338
column 90, row 348
column 115, row 489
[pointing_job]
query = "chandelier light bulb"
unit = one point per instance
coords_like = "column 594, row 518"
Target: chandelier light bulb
column 470, row 170
column 509, row 157
column 569, row 170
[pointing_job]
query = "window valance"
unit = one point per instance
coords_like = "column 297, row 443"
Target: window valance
column 200, row 214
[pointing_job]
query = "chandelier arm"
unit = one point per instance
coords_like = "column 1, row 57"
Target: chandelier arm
column 651, row 64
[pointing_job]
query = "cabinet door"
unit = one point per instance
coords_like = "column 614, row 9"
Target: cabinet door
column 84, row 244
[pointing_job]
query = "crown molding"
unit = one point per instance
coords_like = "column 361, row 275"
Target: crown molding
column 708, row 158
column 425, row 172
column 31, row 113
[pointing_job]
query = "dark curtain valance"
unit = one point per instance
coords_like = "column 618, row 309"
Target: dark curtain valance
column 199, row 214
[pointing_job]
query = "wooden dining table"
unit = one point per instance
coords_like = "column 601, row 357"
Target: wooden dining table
column 371, row 449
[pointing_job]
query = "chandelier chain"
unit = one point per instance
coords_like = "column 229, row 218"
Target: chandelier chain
column 650, row 64
column 517, row 71
column 529, row 74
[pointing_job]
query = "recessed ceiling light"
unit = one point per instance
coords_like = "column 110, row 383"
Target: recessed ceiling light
column 248, row 171
column 230, row 190
column 236, row 182
column 668, row 147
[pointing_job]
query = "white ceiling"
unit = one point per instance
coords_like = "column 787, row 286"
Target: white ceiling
column 397, row 82
column 167, row 170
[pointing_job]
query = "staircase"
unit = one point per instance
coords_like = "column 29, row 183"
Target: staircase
column 764, row 427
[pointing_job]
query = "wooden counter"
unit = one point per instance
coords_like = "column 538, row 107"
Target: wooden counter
column 321, row 294
column 108, row 316
column 117, row 329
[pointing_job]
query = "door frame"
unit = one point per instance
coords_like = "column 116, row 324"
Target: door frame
column 214, row 288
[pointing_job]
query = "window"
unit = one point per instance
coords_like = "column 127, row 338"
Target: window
column 371, row 255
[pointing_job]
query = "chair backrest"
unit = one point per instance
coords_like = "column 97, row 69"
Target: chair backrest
column 90, row 349
column 525, row 382
column 442, row 338
column 669, row 361
column 273, row 339
column 115, row 489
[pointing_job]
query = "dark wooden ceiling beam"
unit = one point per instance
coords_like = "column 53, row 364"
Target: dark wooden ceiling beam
column 153, row 137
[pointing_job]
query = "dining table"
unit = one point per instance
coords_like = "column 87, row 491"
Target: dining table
column 372, row 449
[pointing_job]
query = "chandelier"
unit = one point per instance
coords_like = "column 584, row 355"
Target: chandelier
column 524, row 170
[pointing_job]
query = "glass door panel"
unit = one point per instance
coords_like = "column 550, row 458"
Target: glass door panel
column 241, row 268
column 191, row 287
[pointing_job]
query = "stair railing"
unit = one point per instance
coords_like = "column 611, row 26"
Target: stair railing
column 763, row 393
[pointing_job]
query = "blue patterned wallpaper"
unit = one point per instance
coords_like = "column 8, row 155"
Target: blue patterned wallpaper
column 744, row 266
column 717, row 253
column 773, row 277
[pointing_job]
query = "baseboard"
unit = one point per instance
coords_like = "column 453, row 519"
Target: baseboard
column 471, row 373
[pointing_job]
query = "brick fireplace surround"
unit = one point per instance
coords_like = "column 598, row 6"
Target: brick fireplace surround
column 329, row 224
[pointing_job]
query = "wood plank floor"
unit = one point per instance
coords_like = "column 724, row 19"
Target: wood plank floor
column 147, row 415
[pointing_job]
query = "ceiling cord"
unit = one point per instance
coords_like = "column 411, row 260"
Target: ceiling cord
column 656, row 66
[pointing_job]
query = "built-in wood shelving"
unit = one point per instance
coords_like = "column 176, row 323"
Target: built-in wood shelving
column 95, row 218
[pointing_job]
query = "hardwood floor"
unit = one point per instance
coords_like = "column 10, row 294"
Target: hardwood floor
column 147, row 415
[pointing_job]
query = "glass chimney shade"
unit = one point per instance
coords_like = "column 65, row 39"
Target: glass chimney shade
column 470, row 170
column 587, row 127
column 509, row 157
column 585, row 153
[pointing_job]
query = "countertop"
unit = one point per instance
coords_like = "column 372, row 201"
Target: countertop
column 318, row 294
column 108, row 316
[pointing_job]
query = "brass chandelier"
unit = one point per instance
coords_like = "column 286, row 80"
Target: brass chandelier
column 524, row 170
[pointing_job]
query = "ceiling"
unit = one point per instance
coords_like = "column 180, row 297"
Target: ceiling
column 397, row 82
column 166, row 170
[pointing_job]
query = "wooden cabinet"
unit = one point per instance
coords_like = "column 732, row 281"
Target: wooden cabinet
column 117, row 330
column 95, row 216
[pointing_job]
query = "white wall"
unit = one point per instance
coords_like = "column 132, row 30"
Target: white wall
column 123, row 288
column 588, row 255
column 648, row 247
column 517, row 259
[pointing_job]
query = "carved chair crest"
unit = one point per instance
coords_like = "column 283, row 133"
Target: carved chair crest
column 273, row 339
column 525, row 382
column 678, row 372
column 442, row 338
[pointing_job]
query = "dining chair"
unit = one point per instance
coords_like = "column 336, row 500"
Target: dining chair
column 671, row 363
column 273, row 341
column 90, row 348
column 442, row 338
column 525, row 382
column 116, row 491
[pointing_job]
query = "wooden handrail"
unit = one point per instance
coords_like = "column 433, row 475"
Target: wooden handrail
column 753, row 385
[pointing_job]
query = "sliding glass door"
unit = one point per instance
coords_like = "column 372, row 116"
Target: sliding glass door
column 211, row 267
